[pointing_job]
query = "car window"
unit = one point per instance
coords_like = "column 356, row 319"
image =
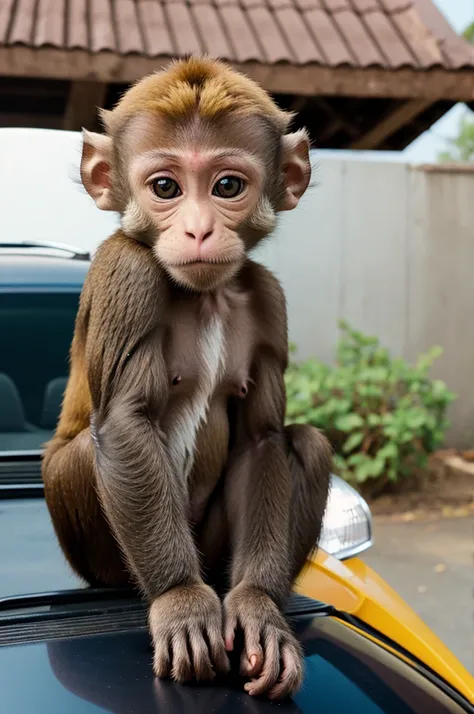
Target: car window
column 36, row 329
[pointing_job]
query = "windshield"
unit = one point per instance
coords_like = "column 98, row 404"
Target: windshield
column 36, row 331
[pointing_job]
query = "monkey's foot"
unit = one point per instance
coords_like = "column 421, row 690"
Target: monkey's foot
column 188, row 614
column 276, row 668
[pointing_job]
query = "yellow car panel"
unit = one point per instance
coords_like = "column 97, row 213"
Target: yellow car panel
column 355, row 588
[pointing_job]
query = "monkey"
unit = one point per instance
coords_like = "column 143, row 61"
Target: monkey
column 172, row 468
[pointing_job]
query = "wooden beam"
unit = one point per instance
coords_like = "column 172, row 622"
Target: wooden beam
column 391, row 124
column 83, row 100
column 35, row 121
column 308, row 80
column 338, row 120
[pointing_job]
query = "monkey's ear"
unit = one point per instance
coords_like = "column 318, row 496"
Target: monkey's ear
column 95, row 168
column 296, row 168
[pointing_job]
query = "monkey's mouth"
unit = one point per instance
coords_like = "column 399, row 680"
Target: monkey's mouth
column 198, row 262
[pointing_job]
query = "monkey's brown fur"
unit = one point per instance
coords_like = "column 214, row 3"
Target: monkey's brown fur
column 171, row 466
column 200, row 85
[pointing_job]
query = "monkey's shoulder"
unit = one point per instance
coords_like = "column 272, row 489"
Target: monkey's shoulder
column 268, row 305
column 125, row 274
column 262, row 285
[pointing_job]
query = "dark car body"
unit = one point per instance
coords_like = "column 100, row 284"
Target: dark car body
column 84, row 651
column 59, row 656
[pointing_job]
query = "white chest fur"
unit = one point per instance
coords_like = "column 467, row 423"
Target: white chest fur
column 191, row 413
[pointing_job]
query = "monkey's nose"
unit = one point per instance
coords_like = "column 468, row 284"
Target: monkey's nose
column 198, row 235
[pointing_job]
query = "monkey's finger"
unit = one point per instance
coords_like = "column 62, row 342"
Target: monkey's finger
column 218, row 650
column 230, row 627
column 161, row 659
column 271, row 666
column 200, row 654
column 251, row 662
column 292, row 673
column 182, row 670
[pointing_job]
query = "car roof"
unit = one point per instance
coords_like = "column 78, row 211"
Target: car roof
column 36, row 266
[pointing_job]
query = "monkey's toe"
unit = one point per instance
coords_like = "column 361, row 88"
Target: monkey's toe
column 182, row 670
column 291, row 677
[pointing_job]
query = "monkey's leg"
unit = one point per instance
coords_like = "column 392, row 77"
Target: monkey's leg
column 277, row 487
column 81, row 527
column 309, row 458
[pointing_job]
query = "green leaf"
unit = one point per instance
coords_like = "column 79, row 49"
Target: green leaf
column 339, row 462
column 415, row 418
column 348, row 422
column 355, row 459
column 369, row 392
column 388, row 451
column 353, row 441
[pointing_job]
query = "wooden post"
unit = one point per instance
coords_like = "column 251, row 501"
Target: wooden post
column 83, row 101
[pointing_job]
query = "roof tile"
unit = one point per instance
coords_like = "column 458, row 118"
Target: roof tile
column 49, row 27
column 420, row 41
column 309, row 4
column 366, row 5
column 77, row 30
column 336, row 5
column 458, row 52
column 388, row 40
column 298, row 36
column 332, row 46
column 128, row 31
column 6, row 13
column 101, row 26
column 211, row 31
column 181, row 24
column 269, row 35
column 358, row 39
column 155, row 30
column 392, row 6
column 359, row 33
column 23, row 22
column 239, row 30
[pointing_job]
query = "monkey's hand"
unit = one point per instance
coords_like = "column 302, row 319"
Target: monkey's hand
column 263, row 623
column 188, row 614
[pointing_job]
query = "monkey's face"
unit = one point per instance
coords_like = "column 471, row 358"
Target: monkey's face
column 196, row 187
column 201, row 193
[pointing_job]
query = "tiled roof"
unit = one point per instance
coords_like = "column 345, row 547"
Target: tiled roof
column 359, row 33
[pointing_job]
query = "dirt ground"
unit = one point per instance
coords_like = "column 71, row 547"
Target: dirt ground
column 429, row 561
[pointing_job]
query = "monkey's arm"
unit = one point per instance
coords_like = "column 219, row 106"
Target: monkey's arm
column 261, row 533
column 143, row 499
column 142, row 496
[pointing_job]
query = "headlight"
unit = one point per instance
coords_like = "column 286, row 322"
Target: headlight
column 347, row 523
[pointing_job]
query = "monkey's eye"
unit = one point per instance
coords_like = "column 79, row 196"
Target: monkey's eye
column 166, row 188
column 229, row 187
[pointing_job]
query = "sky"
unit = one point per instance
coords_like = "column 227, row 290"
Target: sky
column 460, row 13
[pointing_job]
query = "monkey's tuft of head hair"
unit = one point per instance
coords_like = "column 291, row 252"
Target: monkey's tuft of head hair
column 196, row 85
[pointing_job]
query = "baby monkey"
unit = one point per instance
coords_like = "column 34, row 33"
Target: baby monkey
column 171, row 467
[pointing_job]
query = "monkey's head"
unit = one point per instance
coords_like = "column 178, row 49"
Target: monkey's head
column 198, row 161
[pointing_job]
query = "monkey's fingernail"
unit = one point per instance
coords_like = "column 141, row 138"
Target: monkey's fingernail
column 253, row 661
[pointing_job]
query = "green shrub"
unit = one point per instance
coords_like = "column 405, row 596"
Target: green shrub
column 382, row 415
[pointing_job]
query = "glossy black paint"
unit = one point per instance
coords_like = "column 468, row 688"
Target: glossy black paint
column 345, row 672
column 25, row 271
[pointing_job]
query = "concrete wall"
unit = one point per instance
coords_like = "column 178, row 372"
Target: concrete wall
column 390, row 248
column 385, row 245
